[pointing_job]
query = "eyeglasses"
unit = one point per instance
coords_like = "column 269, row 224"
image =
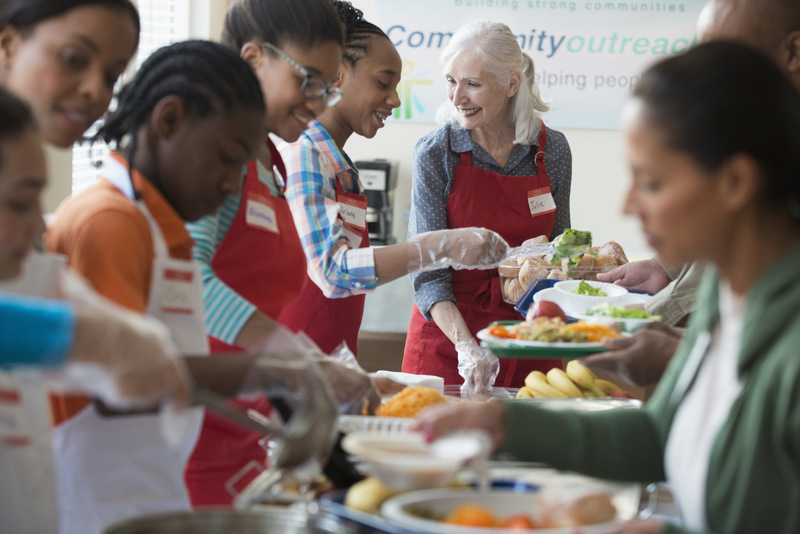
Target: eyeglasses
column 313, row 86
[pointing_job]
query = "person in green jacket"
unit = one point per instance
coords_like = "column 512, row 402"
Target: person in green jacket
column 713, row 148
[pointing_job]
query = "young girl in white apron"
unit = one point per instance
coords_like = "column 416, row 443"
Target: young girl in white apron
column 194, row 113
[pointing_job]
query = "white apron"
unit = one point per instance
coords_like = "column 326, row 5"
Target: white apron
column 27, row 474
column 113, row 468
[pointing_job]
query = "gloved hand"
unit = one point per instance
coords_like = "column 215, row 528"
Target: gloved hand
column 294, row 378
column 479, row 368
column 460, row 248
column 135, row 351
column 349, row 385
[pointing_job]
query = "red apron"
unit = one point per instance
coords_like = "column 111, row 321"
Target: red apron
column 505, row 204
column 329, row 321
column 260, row 258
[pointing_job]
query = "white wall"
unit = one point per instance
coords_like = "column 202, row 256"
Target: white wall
column 599, row 175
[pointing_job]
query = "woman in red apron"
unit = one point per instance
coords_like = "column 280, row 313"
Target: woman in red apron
column 496, row 165
column 326, row 197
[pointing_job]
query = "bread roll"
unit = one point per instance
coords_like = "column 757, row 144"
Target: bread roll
column 613, row 249
column 530, row 272
column 585, row 269
column 513, row 289
column 538, row 240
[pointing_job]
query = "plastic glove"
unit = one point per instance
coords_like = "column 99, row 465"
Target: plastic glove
column 479, row 368
column 135, row 352
column 294, row 384
column 350, row 386
column 460, row 248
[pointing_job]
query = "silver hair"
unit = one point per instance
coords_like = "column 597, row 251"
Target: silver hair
column 495, row 46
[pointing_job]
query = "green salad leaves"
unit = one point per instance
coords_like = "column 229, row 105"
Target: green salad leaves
column 618, row 312
column 589, row 290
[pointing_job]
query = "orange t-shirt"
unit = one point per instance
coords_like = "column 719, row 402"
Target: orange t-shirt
column 107, row 240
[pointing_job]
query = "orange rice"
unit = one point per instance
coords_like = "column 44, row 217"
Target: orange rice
column 594, row 332
column 409, row 401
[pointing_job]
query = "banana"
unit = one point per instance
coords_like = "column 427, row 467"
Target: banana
column 537, row 382
column 559, row 380
column 606, row 386
column 524, row 393
column 534, row 376
column 582, row 376
column 589, row 394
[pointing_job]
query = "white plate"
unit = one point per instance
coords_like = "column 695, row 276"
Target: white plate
column 626, row 325
column 502, row 503
column 558, row 297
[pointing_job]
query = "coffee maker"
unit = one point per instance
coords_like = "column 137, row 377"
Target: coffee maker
column 379, row 178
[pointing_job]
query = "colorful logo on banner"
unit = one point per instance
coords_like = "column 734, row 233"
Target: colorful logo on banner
column 588, row 54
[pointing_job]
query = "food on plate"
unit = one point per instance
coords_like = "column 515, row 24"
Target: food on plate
column 569, row 257
column 517, row 522
column 368, row 495
column 545, row 308
column 589, row 290
column 471, row 515
column 577, row 382
column 554, row 329
column 554, row 508
column 409, row 402
column 607, row 309
column 588, row 509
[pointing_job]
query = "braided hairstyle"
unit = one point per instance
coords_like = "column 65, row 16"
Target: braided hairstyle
column 206, row 76
column 357, row 31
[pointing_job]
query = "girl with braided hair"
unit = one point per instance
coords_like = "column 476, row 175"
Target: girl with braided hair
column 183, row 128
column 322, row 182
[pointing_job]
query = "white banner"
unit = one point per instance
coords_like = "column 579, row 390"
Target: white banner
column 588, row 53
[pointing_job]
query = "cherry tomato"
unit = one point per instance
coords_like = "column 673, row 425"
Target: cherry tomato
column 545, row 308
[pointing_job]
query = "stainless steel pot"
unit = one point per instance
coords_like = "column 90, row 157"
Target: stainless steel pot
column 226, row 521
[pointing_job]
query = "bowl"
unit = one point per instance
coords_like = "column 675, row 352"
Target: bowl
column 405, row 461
column 423, row 510
column 580, row 303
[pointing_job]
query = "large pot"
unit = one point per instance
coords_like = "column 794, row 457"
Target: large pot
column 226, row 521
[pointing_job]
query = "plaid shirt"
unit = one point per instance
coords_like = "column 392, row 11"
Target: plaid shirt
column 313, row 164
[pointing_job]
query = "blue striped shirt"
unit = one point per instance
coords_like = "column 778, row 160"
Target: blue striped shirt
column 226, row 312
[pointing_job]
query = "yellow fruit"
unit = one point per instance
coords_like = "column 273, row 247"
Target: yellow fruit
column 589, row 394
column 606, row 386
column 368, row 495
column 582, row 376
column 524, row 393
column 537, row 382
column 559, row 380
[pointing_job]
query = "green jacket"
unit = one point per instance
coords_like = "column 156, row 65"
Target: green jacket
column 753, row 483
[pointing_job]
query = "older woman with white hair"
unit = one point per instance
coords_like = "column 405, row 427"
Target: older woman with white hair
column 493, row 164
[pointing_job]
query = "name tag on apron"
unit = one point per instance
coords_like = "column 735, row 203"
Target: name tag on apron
column 14, row 430
column 353, row 212
column 540, row 201
column 261, row 214
column 178, row 292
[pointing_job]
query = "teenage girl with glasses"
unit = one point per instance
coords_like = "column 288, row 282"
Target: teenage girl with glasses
column 251, row 259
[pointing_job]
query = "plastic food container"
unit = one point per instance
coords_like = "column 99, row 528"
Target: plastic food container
column 530, row 264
